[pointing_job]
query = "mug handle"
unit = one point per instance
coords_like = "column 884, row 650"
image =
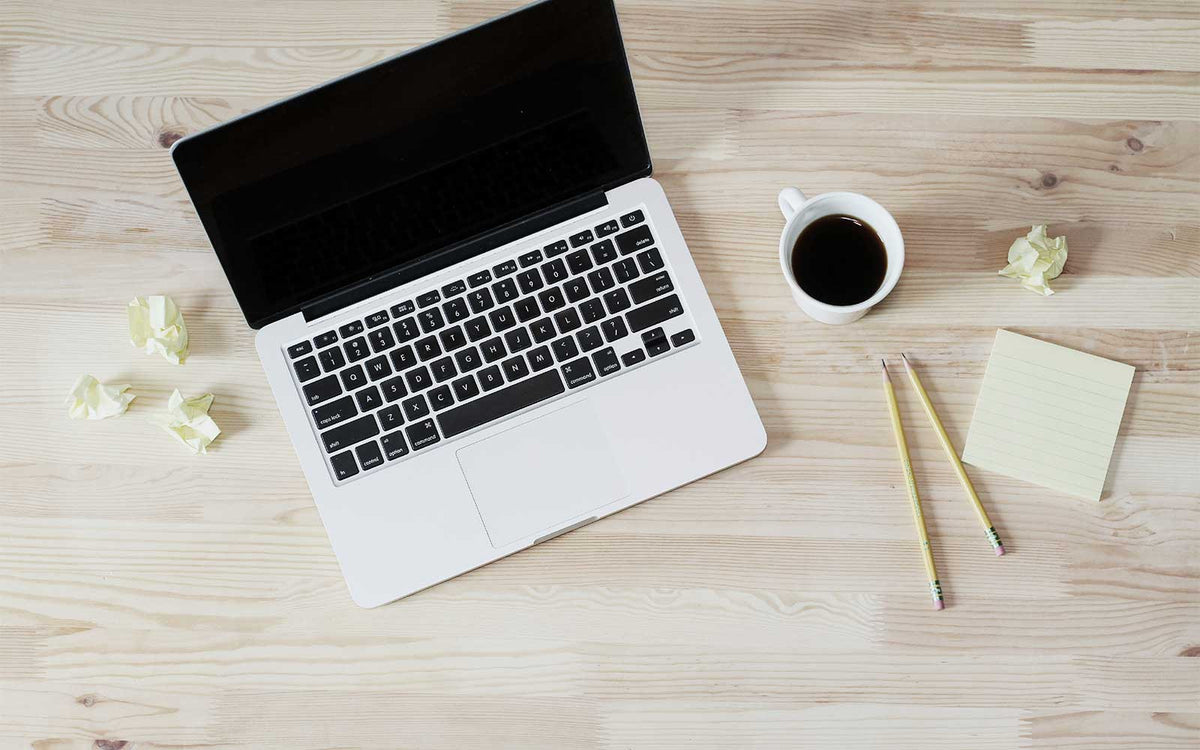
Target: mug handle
column 790, row 201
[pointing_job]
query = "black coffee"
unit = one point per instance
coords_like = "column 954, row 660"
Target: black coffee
column 839, row 260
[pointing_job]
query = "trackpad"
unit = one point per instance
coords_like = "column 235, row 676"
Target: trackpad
column 537, row 476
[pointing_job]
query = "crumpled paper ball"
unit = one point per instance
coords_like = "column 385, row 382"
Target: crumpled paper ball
column 91, row 399
column 156, row 325
column 187, row 419
column 1035, row 259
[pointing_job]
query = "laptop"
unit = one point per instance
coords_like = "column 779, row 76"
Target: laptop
column 475, row 309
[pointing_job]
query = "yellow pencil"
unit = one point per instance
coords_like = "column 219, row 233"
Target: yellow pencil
column 992, row 536
column 935, row 586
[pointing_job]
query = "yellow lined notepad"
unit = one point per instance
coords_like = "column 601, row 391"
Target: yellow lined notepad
column 1048, row 414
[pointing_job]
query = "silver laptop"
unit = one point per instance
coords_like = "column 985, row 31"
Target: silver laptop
column 475, row 309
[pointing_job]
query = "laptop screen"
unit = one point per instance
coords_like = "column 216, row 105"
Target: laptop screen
column 385, row 168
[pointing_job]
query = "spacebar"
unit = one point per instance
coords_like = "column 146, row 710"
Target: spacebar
column 501, row 403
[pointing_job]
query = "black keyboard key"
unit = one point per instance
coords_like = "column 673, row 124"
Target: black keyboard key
column 377, row 319
column 530, row 258
column 651, row 287
column 351, row 329
column 567, row 320
column 368, row 399
column 304, row 347
column 617, row 300
column 422, row 434
column 378, row 368
column 480, row 300
column 613, row 329
column 356, row 349
column 656, row 342
column 381, row 339
column 555, row 271
column 601, row 280
column 631, row 218
column 456, row 309
column 518, row 340
column 403, row 358
column 527, row 309
column 329, row 414
column 551, row 299
column 441, row 398
column 431, row 319
column 603, row 252
column 482, row 277
column 443, row 369
column 428, row 298
column 468, row 359
column 540, row 358
column 501, row 403
column 331, row 359
column 322, row 390
column 606, row 362
column 465, row 388
column 685, row 336
column 592, row 310
column 353, row 378
column 390, row 418
column 505, row 268
column 307, row 368
column 402, row 309
column 393, row 446
column 502, row 318
column 634, row 240
column 492, row 349
column 650, row 261
column 579, row 261
column 490, row 378
column 530, row 281
column 565, row 349
column 576, row 289
column 654, row 313
column 629, row 359
column 418, row 379
column 453, row 338
column 454, row 288
column 393, row 389
column 428, row 348
column 325, row 339
column 582, row 238
column 406, row 330
column 607, row 228
column 542, row 330
column 344, row 466
column 578, row 372
column 625, row 269
column 555, row 248
column 415, row 407
column 349, row 433
column 589, row 338
column 514, row 368
column 506, row 291
column 477, row 328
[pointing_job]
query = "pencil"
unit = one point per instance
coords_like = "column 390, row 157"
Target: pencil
column 992, row 536
column 935, row 586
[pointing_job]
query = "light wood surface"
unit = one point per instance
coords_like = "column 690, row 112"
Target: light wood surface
column 151, row 599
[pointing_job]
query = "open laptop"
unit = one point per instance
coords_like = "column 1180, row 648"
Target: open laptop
column 475, row 309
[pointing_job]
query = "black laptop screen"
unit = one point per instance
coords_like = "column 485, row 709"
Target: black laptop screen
column 392, row 164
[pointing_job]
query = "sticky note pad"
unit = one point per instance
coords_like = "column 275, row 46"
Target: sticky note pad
column 1048, row 414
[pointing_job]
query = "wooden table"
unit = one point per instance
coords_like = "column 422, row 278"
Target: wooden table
column 152, row 599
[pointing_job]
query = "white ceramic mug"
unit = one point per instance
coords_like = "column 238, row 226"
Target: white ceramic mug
column 800, row 212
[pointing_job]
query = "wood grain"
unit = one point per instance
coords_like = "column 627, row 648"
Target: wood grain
column 149, row 599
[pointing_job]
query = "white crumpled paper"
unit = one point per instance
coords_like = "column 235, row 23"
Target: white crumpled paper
column 156, row 325
column 91, row 399
column 187, row 419
column 1035, row 259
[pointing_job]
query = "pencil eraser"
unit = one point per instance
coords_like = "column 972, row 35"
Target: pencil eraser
column 938, row 604
column 999, row 550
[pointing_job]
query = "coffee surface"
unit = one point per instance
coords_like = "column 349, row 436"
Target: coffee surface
column 839, row 260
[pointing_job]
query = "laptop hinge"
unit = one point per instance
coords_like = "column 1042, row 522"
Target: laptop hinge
column 369, row 287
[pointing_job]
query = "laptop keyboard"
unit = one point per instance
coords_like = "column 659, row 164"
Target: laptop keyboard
column 436, row 365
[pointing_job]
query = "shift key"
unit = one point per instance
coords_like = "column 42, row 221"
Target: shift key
column 654, row 313
column 350, row 433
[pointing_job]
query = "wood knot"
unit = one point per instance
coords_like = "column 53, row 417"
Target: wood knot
column 1113, row 168
column 1049, row 180
column 168, row 136
column 111, row 744
column 1134, row 144
column 86, row 701
column 1190, row 651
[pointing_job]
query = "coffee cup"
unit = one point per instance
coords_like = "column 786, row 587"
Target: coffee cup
column 801, row 213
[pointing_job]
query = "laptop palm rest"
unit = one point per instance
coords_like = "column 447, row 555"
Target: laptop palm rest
column 541, row 474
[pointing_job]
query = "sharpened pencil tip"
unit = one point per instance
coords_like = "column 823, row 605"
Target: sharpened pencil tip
column 883, row 363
